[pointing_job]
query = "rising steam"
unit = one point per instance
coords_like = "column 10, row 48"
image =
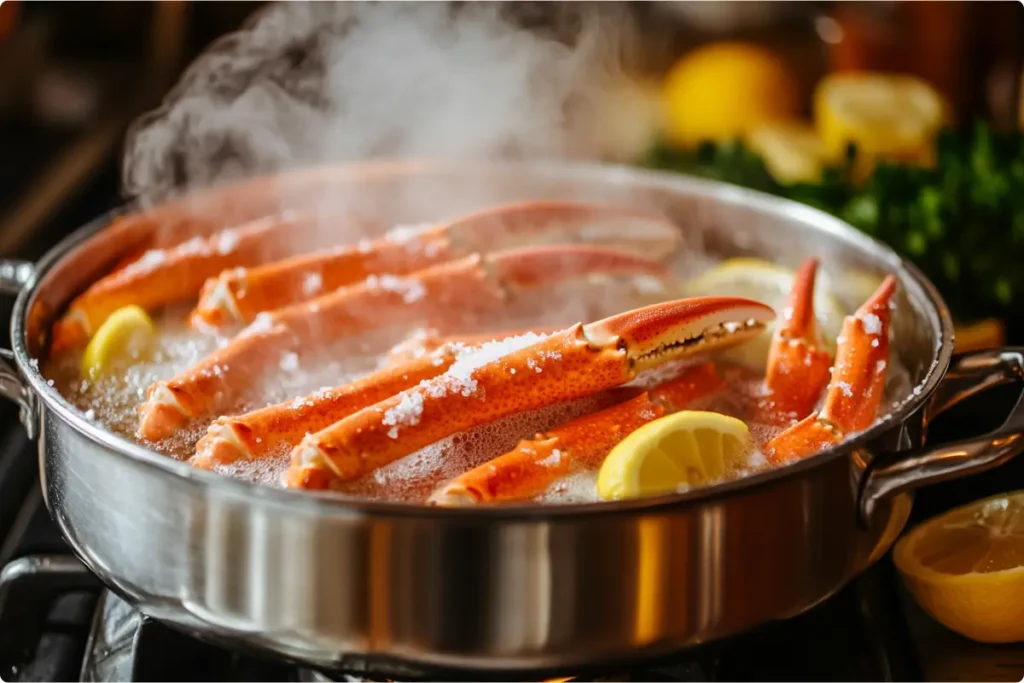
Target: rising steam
column 314, row 82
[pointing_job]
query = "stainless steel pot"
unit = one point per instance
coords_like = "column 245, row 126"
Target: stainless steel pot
column 320, row 579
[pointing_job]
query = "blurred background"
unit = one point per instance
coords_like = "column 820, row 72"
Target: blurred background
column 793, row 98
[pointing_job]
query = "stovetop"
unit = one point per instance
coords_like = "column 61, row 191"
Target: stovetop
column 57, row 623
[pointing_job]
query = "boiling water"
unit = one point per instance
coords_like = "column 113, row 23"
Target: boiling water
column 113, row 400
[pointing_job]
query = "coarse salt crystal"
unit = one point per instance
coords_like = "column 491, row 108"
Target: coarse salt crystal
column 263, row 322
column 871, row 323
column 880, row 367
column 312, row 284
column 90, row 414
column 405, row 414
column 289, row 361
column 405, row 233
column 554, row 459
column 196, row 245
column 227, row 241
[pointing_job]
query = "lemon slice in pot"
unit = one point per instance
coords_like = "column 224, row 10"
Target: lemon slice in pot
column 126, row 335
column 689, row 448
column 769, row 283
column 966, row 568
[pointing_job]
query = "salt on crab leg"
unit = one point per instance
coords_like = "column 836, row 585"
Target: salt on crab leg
column 262, row 433
column 426, row 341
column 856, row 388
column 798, row 367
column 164, row 276
column 239, row 295
column 444, row 295
column 535, row 464
column 527, row 374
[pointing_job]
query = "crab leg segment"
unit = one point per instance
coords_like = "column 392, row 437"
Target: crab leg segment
column 798, row 368
column 263, row 432
column 164, row 276
column 239, row 295
column 445, row 294
column 525, row 373
column 857, row 385
column 534, row 465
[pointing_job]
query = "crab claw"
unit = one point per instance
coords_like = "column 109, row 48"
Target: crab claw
column 654, row 335
column 857, row 385
column 520, row 374
column 798, row 368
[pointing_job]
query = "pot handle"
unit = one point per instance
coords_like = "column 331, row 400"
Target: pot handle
column 970, row 374
column 15, row 277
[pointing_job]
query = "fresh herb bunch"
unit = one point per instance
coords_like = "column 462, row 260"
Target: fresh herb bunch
column 961, row 221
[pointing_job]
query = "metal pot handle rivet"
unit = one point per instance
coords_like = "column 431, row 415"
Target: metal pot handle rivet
column 970, row 374
column 15, row 277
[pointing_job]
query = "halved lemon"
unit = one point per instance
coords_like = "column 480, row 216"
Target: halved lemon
column 689, row 448
column 966, row 568
column 891, row 116
column 126, row 335
column 768, row 283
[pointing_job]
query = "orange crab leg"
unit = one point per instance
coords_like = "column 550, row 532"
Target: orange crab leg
column 534, row 465
column 164, row 276
column 798, row 368
column 445, row 294
column 857, row 385
column 262, row 433
column 239, row 295
column 529, row 373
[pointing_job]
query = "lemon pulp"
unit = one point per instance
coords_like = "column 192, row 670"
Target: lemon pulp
column 688, row 448
column 966, row 568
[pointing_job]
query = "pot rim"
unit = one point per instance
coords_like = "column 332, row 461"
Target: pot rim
column 336, row 504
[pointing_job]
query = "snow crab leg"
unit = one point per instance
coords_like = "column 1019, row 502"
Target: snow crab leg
column 856, row 387
column 159, row 277
column 239, row 295
column 798, row 366
column 445, row 295
column 535, row 464
column 523, row 373
column 262, row 432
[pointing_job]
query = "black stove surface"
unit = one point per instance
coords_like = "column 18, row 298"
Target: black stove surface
column 57, row 623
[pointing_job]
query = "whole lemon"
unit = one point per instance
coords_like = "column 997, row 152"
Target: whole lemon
column 721, row 91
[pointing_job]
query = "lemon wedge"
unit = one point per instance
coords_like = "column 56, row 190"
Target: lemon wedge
column 791, row 150
column 966, row 568
column 689, row 448
column 889, row 116
column 768, row 283
column 126, row 335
